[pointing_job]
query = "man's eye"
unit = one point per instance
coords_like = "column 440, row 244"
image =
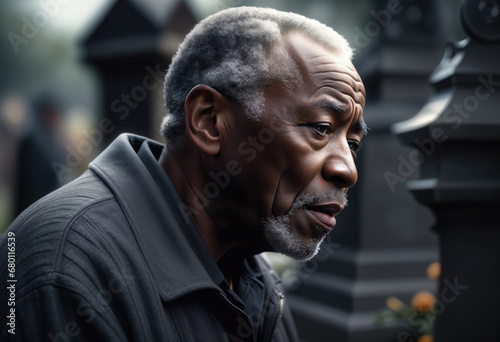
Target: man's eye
column 321, row 128
column 354, row 146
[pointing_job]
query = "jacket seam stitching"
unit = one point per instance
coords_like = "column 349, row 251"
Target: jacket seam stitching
column 79, row 214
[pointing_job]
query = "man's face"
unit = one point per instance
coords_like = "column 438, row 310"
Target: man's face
column 297, row 162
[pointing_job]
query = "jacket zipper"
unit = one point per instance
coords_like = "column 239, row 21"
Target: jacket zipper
column 280, row 313
column 234, row 308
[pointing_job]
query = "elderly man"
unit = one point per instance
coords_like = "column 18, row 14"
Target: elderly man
column 158, row 243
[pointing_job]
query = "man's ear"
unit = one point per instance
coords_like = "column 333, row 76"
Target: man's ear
column 202, row 107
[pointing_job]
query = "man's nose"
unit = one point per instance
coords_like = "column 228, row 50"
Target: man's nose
column 340, row 168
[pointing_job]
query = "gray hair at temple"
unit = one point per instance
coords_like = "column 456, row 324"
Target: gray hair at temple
column 228, row 51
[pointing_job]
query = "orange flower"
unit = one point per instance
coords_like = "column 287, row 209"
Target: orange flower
column 434, row 270
column 423, row 302
column 425, row 338
column 394, row 304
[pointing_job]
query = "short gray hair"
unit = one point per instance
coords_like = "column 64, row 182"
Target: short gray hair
column 228, row 51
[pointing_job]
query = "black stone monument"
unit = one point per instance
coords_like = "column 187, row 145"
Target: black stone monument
column 131, row 47
column 457, row 138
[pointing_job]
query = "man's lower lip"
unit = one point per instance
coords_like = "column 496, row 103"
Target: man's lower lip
column 328, row 222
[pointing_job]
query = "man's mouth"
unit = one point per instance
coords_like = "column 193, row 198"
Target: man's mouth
column 325, row 214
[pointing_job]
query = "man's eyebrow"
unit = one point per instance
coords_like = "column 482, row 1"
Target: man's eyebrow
column 330, row 105
column 359, row 126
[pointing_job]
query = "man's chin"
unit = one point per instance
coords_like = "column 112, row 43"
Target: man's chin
column 284, row 239
column 299, row 252
column 306, row 254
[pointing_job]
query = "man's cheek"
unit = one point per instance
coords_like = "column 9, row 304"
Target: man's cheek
column 303, row 176
column 286, row 193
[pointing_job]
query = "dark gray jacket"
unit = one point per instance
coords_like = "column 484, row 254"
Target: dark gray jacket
column 110, row 257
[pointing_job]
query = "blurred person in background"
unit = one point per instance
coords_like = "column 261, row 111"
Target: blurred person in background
column 41, row 145
column 15, row 120
column 162, row 243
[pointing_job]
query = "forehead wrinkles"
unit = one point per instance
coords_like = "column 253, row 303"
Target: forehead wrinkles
column 322, row 69
column 338, row 78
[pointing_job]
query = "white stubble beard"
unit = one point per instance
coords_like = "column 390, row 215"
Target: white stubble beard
column 277, row 232
column 279, row 235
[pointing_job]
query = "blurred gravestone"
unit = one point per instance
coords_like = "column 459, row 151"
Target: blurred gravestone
column 460, row 179
column 131, row 47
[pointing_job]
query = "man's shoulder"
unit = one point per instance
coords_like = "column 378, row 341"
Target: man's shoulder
column 57, row 209
column 67, row 224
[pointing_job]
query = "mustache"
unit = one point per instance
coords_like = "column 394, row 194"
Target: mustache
column 336, row 194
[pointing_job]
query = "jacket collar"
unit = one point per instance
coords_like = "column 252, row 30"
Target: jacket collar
column 173, row 249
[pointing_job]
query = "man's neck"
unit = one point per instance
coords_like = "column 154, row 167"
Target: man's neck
column 185, row 179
